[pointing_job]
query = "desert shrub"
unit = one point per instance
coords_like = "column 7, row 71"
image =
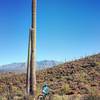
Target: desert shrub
column 69, row 77
column 65, row 89
column 65, row 97
column 98, row 63
column 3, row 98
column 1, row 89
column 0, row 98
column 84, row 90
column 92, row 97
column 82, row 77
column 57, row 97
column 92, row 90
column 19, row 93
column 38, row 91
column 9, row 97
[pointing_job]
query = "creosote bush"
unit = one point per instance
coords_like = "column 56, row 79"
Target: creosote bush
column 65, row 89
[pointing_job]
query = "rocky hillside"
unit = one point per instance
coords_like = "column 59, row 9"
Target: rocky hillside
column 77, row 77
column 81, row 76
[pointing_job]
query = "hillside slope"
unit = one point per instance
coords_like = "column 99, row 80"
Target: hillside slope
column 81, row 76
column 77, row 77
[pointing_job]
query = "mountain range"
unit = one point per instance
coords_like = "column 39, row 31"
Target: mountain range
column 21, row 67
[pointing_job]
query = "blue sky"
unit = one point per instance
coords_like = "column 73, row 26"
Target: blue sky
column 65, row 29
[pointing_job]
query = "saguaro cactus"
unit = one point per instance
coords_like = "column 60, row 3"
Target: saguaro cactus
column 31, row 65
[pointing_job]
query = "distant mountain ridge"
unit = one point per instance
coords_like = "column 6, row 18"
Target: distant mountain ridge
column 21, row 67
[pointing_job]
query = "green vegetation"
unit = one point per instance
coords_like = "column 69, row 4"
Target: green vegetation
column 92, row 90
column 65, row 89
column 92, row 97
column 98, row 63
column 82, row 77
column 38, row 90
column 57, row 97
column 66, row 80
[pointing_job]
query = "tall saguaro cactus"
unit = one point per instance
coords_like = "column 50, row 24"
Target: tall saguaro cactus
column 31, row 64
column 28, row 65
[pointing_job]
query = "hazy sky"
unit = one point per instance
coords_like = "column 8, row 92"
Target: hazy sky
column 65, row 29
